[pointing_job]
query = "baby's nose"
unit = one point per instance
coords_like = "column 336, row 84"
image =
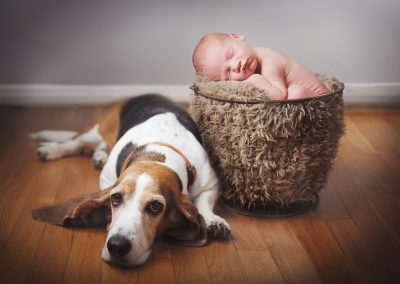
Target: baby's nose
column 236, row 66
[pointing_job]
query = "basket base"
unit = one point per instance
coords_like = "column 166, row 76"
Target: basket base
column 275, row 211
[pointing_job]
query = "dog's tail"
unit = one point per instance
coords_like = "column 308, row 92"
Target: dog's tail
column 53, row 135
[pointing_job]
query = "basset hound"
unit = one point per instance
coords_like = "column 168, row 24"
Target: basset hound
column 156, row 181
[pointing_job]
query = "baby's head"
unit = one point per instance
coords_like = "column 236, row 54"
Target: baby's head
column 221, row 56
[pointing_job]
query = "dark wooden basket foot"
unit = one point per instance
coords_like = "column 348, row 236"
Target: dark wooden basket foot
column 275, row 210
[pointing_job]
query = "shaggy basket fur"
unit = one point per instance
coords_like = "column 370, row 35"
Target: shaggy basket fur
column 268, row 153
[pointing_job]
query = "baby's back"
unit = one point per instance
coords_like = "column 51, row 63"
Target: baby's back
column 276, row 64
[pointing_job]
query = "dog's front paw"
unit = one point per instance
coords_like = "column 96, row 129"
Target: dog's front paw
column 99, row 158
column 47, row 151
column 217, row 227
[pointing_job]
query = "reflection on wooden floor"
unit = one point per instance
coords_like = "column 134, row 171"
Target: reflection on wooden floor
column 353, row 236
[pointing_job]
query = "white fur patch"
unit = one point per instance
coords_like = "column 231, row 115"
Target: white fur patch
column 53, row 135
column 165, row 128
column 53, row 150
column 92, row 138
column 129, row 224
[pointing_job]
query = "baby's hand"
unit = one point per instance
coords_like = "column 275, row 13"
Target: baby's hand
column 259, row 81
column 254, row 79
column 276, row 91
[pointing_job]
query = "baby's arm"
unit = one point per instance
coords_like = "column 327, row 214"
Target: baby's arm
column 275, row 89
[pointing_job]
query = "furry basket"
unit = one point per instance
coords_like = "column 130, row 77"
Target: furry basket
column 268, row 153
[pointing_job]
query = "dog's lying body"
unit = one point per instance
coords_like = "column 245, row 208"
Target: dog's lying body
column 156, row 181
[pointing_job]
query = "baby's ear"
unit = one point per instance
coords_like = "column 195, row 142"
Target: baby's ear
column 237, row 36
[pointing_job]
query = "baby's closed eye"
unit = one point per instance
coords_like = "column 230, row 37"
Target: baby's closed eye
column 232, row 53
column 229, row 54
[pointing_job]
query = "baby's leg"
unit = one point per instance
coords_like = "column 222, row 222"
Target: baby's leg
column 299, row 92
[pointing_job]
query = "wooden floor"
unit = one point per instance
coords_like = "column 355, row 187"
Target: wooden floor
column 352, row 237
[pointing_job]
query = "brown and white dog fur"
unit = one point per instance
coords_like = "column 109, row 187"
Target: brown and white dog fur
column 148, row 187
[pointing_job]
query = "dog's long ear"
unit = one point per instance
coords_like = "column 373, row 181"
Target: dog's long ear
column 186, row 226
column 87, row 210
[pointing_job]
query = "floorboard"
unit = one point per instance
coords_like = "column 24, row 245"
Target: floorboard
column 352, row 237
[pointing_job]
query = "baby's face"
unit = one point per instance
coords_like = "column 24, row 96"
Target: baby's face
column 229, row 59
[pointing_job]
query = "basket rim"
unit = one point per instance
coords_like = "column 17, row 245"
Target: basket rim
column 252, row 102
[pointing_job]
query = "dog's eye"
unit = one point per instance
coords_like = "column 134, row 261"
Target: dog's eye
column 155, row 207
column 116, row 199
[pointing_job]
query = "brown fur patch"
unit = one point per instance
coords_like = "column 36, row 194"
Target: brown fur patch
column 140, row 154
column 160, row 173
column 82, row 211
column 268, row 152
column 165, row 183
column 108, row 122
column 180, row 219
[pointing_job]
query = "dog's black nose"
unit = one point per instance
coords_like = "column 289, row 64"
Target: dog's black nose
column 118, row 246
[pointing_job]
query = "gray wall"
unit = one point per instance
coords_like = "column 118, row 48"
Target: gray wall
column 151, row 42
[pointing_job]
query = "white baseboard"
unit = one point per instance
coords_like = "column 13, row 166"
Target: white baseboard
column 380, row 94
column 52, row 95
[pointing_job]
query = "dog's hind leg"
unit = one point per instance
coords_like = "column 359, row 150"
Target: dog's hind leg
column 100, row 155
column 53, row 135
column 97, row 138
column 88, row 142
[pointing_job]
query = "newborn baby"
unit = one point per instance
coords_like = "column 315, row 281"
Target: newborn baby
column 227, row 57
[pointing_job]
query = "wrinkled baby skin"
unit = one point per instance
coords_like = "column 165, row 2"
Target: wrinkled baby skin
column 228, row 57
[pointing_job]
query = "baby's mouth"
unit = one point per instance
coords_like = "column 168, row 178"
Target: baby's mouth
column 243, row 66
